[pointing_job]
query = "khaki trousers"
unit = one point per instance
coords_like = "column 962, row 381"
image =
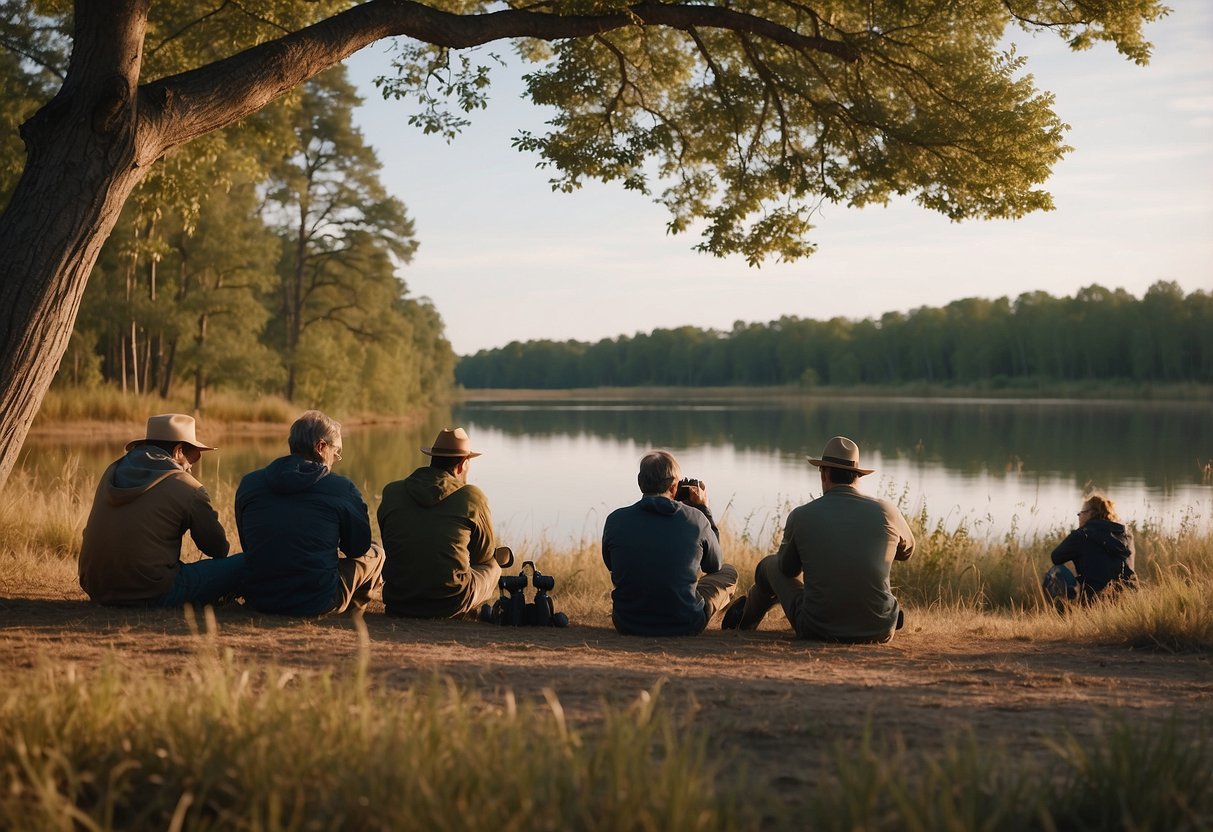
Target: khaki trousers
column 716, row 589
column 483, row 588
column 361, row 580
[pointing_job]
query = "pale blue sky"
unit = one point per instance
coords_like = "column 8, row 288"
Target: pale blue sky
column 504, row 258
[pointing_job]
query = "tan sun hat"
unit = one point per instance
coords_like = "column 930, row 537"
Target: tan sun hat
column 843, row 454
column 451, row 442
column 170, row 427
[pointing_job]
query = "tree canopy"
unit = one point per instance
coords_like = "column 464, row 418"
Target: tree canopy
column 740, row 120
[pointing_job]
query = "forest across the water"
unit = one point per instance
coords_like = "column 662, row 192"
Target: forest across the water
column 1099, row 335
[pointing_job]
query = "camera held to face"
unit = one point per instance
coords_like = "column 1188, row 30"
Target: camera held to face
column 683, row 494
column 512, row 608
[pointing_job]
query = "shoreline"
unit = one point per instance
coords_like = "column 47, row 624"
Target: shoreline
column 103, row 429
column 1170, row 394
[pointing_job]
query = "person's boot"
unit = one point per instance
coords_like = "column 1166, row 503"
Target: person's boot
column 733, row 613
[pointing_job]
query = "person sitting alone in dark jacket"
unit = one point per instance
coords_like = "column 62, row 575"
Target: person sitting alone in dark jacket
column 656, row 549
column 293, row 516
column 1101, row 549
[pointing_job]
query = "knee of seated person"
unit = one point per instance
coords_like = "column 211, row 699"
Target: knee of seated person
column 769, row 562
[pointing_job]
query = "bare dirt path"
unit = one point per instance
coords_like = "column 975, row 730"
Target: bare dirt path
column 772, row 704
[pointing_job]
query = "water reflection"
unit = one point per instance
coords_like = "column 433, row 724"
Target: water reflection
column 554, row 470
column 1162, row 444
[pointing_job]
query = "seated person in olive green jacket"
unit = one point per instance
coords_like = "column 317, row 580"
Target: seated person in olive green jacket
column 441, row 555
column 145, row 503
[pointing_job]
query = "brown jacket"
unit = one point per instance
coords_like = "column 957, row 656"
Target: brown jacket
column 144, row 504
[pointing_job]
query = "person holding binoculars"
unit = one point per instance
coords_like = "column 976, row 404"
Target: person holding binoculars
column 656, row 549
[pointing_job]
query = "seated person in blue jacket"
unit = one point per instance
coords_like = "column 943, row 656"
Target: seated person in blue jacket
column 656, row 549
column 1101, row 549
column 296, row 519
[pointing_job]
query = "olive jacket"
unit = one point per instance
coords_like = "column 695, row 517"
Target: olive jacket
column 434, row 527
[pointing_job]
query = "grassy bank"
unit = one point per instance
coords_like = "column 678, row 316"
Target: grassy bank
column 954, row 576
column 228, row 747
column 108, row 408
column 189, row 736
column 1106, row 391
column 225, row 746
column 109, row 404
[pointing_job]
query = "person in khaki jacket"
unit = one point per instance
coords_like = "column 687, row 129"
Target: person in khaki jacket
column 844, row 544
column 145, row 502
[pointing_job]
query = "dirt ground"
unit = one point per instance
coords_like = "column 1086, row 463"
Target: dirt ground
column 772, row 704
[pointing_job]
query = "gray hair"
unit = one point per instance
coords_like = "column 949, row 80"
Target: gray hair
column 658, row 471
column 310, row 428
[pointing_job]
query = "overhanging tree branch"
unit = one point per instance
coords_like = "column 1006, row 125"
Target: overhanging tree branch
column 187, row 105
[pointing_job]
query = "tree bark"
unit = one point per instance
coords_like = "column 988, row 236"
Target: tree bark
column 79, row 171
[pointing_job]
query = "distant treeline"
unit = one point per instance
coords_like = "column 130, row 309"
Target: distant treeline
column 1097, row 335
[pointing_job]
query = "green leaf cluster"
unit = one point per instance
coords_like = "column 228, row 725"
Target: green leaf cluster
column 266, row 269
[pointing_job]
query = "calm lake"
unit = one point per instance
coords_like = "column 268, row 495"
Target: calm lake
column 553, row 470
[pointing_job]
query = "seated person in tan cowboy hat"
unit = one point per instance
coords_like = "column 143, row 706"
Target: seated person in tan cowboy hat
column 442, row 557
column 296, row 519
column 144, row 504
column 844, row 542
column 656, row 549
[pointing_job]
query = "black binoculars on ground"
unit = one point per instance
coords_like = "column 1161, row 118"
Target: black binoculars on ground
column 512, row 608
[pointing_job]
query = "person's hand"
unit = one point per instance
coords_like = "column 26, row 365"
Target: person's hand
column 697, row 495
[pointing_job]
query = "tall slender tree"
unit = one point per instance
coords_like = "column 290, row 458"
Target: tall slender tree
column 334, row 215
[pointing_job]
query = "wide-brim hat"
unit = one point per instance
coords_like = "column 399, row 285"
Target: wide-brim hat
column 843, row 454
column 171, row 427
column 451, row 442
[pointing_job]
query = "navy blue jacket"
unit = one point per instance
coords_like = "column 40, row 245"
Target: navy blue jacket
column 293, row 515
column 1102, row 552
column 655, row 550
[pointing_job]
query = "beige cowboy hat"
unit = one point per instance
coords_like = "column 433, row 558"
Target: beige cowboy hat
column 843, row 454
column 451, row 442
column 170, row 427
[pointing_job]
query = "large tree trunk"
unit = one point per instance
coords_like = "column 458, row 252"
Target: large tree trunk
column 81, row 166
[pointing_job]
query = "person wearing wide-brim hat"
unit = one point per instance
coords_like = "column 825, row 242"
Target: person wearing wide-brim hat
column 131, row 553
column 844, row 544
column 443, row 560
